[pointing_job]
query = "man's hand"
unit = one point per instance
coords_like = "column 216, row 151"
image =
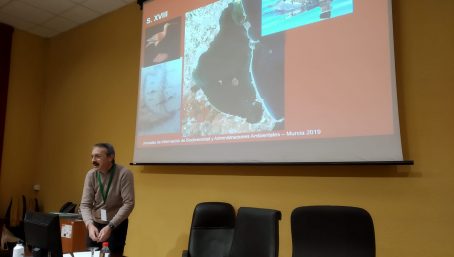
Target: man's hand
column 104, row 234
column 93, row 232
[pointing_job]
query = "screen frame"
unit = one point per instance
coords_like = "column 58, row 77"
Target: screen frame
column 386, row 161
column 404, row 162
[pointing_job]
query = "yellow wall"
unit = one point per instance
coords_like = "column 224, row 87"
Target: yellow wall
column 20, row 162
column 90, row 95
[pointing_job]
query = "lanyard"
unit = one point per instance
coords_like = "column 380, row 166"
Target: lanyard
column 101, row 186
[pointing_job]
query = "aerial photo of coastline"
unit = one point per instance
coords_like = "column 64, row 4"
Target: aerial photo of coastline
column 221, row 94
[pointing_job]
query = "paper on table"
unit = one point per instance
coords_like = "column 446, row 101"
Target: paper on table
column 82, row 254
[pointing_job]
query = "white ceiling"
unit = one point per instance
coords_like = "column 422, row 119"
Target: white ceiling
column 48, row 18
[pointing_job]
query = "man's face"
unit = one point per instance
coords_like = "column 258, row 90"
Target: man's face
column 100, row 160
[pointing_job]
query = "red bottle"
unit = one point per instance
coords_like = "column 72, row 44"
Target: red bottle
column 105, row 252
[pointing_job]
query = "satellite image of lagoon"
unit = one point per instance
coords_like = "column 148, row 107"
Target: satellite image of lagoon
column 228, row 87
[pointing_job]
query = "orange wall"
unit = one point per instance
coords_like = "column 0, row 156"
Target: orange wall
column 90, row 94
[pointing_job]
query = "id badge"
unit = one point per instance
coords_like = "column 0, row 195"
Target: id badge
column 103, row 215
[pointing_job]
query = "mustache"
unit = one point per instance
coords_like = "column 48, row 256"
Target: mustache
column 95, row 163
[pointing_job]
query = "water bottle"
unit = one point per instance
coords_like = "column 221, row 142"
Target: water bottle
column 18, row 250
column 105, row 252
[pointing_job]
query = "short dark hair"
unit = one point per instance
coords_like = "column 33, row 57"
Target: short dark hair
column 109, row 148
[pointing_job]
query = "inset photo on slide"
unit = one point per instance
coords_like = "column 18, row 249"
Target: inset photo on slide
column 162, row 42
column 160, row 101
column 281, row 15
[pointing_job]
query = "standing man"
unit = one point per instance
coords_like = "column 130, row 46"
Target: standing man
column 107, row 199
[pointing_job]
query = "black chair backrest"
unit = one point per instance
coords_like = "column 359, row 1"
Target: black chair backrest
column 211, row 230
column 68, row 207
column 256, row 233
column 332, row 231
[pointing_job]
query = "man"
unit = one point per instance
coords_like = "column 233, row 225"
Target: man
column 107, row 199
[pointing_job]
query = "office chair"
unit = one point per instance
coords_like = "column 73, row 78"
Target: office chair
column 332, row 231
column 256, row 233
column 211, row 230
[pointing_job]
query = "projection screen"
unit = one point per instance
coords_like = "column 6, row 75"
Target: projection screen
column 264, row 81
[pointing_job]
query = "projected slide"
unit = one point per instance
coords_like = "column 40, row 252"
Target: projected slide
column 280, row 76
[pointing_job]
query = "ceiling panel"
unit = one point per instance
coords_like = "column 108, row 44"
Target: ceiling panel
column 80, row 14
column 52, row 6
column 17, row 21
column 44, row 32
column 26, row 12
column 60, row 24
column 48, row 18
column 104, row 6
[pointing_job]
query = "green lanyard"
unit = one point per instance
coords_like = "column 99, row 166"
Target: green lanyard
column 101, row 186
